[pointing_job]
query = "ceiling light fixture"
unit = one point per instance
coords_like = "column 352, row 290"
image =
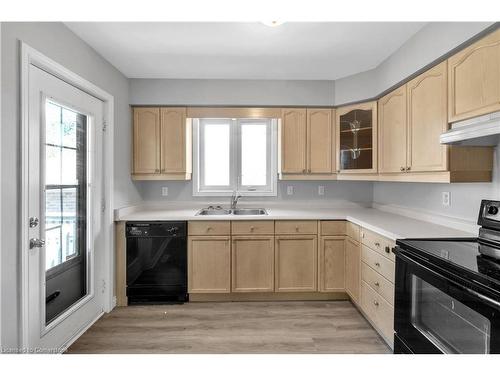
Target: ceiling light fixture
column 272, row 23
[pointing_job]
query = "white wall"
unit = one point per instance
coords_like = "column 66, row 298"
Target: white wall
column 428, row 44
column 230, row 92
column 60, row 44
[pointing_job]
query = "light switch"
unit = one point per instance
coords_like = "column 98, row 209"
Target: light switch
column 446, row 197
column 164, row 191
column 289, row 190
column 321, row 190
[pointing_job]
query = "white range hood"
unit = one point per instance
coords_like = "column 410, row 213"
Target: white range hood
column 478, row 131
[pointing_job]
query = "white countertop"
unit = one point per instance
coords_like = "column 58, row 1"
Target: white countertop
column 387, row 224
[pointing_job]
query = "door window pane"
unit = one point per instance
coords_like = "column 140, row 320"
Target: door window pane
column 449, row 324
column 217, row 153
column 254, row 154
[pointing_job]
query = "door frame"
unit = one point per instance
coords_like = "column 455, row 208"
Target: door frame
column 30, row 56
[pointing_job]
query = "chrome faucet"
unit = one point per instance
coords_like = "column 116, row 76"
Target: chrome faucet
column 234, row 200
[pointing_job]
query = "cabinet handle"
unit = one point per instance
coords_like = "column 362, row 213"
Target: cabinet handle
column 251, row 229
column 296, row 228
column 377, row 264
column 402, row 169
column 209, row 229
column 377, row 283
column 375, row 303
column 157, row 171
column 387, row 249
column 377, row 244
column 309, row 170
column 408, row 168
column 303, row 171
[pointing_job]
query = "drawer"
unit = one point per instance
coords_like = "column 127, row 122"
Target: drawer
column 333, row 228
column 378, row 262
column 379, row 311
column 378, row 243
column 352, row 230
column 252, row 227
column 296, row 227
column 378, row 283
column 209, row 228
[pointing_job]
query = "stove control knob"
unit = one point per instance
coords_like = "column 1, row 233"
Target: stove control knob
column 492, row 210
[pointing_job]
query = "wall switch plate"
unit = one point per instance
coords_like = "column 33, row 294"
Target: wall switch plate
column 321, row 190
column 446, row 198
column 164, row 191
column 289, row 190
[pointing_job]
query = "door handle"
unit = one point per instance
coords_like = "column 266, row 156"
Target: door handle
column 36, row 242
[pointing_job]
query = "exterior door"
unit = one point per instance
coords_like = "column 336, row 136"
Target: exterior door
column 65, row 254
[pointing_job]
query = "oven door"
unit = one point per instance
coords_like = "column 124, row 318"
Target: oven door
column 435, row 314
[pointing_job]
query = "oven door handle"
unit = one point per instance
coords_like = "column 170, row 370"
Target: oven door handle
column 480, row 296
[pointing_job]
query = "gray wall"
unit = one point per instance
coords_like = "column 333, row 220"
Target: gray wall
column 60, row 44
column 428, row 44
column 230, row 92
column 359, row 192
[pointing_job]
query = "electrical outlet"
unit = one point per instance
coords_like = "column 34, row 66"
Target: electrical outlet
column 164, row 191
column 446, row 198
column 289, row 190
column 321, row 190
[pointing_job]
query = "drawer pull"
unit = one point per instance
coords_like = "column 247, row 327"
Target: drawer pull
column 377, row 283
column 296, row 228
column 377, row 264
column 377, row 244
column 209, row 229
column 252, row 228
column 387, row 249
column 375, row 303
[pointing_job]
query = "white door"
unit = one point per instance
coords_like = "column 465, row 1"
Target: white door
column 65, row 260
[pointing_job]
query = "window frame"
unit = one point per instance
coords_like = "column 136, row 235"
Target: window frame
column 235, row 160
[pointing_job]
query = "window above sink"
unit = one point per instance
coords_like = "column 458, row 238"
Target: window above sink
column 235, row 155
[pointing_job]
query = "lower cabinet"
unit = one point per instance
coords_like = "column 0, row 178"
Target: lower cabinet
column 352, row 269
column 209, row 264
column 296, row 263
column 378, row 310
column 331, row 264
column 252, row 263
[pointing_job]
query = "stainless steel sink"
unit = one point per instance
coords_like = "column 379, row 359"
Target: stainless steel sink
column 213, row 212
column 237, row 211
column 249, row 211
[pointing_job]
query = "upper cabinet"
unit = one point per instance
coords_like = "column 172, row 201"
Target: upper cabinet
column 162, row 144
column 357, row 138
column 392, row 131
column 411, row 119
column 474, row 79
column 307, row 140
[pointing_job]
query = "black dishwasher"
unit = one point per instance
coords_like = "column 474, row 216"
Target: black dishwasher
column 156, row 262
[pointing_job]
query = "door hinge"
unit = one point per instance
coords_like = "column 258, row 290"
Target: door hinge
column 103, row 287
column 104, row 125
column 103, row 206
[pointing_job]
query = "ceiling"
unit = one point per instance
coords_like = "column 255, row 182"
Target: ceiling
column 202, row 50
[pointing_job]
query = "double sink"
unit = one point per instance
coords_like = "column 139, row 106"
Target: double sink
column 217, row 211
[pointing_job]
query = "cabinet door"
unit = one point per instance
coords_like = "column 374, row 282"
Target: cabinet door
column 331, row 264
column 474, row 79
column 319, row 141
column 296, row 263
column 392, row 132
column 146, row 140
column 352, row 269
column 252, row 263
column 209, row 264
column 173, row 140
column 427, row 120
column 293, row 141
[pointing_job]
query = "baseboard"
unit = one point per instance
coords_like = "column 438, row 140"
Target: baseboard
column 432, row 217
column 255, row 297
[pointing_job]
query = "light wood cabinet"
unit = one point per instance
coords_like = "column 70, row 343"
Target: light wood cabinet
column 392, row 131
column 296, row 263
column 352, row 269
column 307, row 142
column 293, row 140
column 474, row 79
column 146, row 136
column 356, row 140
column 331, row 264
column 379, row 312
column 427, row 120
column 252, row 263
column 209, row 264
column 162, row 144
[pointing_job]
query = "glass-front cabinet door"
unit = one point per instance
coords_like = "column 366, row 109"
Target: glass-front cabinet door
column 357, row 138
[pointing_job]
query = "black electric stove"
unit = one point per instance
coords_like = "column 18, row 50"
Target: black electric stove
column 447, row 291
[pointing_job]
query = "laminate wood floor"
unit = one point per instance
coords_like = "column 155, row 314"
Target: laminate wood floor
column 233, row 327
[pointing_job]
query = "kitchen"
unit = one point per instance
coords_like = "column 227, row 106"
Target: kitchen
column 324, row 187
